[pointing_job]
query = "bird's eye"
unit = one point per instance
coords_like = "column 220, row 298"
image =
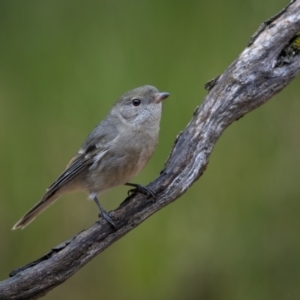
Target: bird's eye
column 136, row 102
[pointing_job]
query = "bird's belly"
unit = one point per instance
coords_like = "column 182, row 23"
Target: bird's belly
column 114, row 170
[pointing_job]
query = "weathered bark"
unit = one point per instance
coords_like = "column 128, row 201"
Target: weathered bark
column 265, row 67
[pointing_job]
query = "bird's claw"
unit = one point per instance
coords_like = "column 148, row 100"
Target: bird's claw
column 143, row 190
column 106, row 216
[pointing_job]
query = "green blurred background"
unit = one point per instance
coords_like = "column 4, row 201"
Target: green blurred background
column 234, row 234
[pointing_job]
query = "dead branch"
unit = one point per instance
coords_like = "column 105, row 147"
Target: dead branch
column 264, row 68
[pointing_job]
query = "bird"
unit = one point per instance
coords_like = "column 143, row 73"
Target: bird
column 116, row 150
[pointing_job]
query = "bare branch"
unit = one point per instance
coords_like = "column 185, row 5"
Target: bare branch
column 264, row 68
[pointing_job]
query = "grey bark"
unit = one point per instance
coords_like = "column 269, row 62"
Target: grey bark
column 264, row 68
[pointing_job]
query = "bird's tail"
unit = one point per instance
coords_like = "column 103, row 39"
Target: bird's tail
column 44, row 203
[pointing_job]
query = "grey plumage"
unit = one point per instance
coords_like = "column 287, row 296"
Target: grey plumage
column 114, row 152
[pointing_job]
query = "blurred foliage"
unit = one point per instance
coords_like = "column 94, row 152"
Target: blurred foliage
column 234, row 235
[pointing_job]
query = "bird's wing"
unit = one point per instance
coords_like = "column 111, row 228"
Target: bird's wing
column 90, row 153
column 77, row 164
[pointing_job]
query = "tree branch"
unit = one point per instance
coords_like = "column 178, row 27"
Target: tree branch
column 265, row 67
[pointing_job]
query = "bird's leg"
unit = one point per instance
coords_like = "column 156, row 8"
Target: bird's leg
column 141, row 189
column 102, row 213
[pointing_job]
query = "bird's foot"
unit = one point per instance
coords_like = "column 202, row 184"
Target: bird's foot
column 103, row 213
column 107, row 217
column 142, row 189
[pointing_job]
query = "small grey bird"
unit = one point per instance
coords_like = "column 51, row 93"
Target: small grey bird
column 115, row 151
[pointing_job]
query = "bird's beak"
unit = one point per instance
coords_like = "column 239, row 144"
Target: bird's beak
column 161, row 96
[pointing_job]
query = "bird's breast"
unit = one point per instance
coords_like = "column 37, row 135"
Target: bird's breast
column 125, row 158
